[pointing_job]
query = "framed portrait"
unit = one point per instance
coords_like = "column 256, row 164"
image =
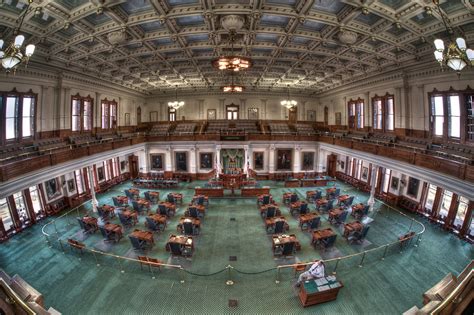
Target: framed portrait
column 343, row 165
column 205, row 160
column 154, row 116
column 311, row 115
column 394, row 183
column 252, row 113
column 413, row 185
column 365, row 173
column 338, row 118
column 308, row 161
column 70, row 185
column 156, row 162
column 100, row 174
column 284, row 161
column 127, row 119
column 211, row 114
column 52, row 188
column 122, row 165
column 181, row 162
column 258, row 161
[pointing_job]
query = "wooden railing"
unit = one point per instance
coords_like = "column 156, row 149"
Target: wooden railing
column 15, row 168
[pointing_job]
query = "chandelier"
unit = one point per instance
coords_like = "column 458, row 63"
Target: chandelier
column 232, row 62
column 289, row 103
column 13, row 55
column 232, row 88
column 176, row 104
column 457, row 55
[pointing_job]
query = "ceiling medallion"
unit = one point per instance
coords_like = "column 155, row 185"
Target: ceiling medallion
column 232, row 23
column 347, row 37
column 117, row 37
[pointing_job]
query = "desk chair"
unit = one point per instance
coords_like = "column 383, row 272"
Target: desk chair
column 304, row 208
column 189, row 229
column 138, row 244
column 109, row 236
column 194, row 212
column 116, row 202
column 328, row 242
column 151, row 199
column 87, row 228
column 288, row 249
column 348, row 202
column 342, row 218
column 201, row 201
column 314, row 224
column 328, row 206
column 175, row 249
column 270, row 212
column 293, row 198
column 126, row 221
column 358, row 236
column 137, row 207
column 264, row 201
column 162, row 210
column 279, row 227
column 171, row 199
column 152, row 225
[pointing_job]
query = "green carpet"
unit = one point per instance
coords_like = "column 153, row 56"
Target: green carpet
column 95, row 284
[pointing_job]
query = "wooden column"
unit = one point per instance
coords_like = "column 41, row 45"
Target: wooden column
column 14, row 213
column 85, row 178
column 467, row 220
column 29, row 205
column 453, row 208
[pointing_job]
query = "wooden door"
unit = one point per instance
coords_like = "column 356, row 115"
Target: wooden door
column 293, row 114
column 331, row 165
column 133, row 166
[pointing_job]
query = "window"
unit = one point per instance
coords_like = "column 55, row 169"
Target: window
column 451, row 115
column 18, row 115
column 109, row 114
column 386, row 179
column 446, row 200
column 21, row 208
column 79, row 181
column 461, row 212
column 5, row 214
column 36, row 201
column 232, row 112
column 81, row 113
column 383, row 119
column 430, row 198
column 171, row 114
column 115, row 167
column 356, row 114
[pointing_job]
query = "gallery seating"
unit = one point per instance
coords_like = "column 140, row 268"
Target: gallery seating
column 184, row 129
column 304, row 129
column 159, row 130
column 414, row 143
column 279, row 128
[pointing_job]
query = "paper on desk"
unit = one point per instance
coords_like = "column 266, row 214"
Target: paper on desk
column 334, row 285
column 331, row 278
column 321, row 281
column 323, row 288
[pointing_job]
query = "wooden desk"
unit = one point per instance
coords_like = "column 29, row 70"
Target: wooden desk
column 113, row 228
column 352, row 227
column 270, row 222
column 178, row 197
column 319, row 235
column 335, row 213
column 108, row 209
column 262, row 196
column 186, row 241
column 292, row 183
column 90, row 221
column 158, row 218
column 143, row 235
column 343, row 198
column 280, row 240
column 122, row 199
column 200, row 208
column 196, row 222
column 264, row 208
column 134, row 191
column 311, row 294
column 310, row 194
column 308, row 217
column 168, row 205
column 196, row 197
column 358, row 210
column 330, row 190
column 287, row 196
column 143, row 202
column 131, row 214
column 321, row 202
column 211, row 192
column 254, row 191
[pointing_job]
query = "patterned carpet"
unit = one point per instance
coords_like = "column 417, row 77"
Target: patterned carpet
column 98, row 284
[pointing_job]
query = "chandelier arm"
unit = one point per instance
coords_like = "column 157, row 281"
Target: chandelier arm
column 23, row 15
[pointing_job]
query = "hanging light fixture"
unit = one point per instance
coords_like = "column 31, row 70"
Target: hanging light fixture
column 232, row 88
column 176, row 104
column 457, row 55
column 12, row 56
column 289, row 103
column 232, row 23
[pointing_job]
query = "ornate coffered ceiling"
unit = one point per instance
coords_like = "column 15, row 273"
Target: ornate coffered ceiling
column 154, row 46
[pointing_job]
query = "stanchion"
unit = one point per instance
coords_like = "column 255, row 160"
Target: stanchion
column 229, row 281
column 61, row 245
column 55, row 227
column 384, row 252
column 120, row 264
column 277, row 280
column 411, row 224
column 362, row 260
column 77, row 210
column 418, row 240
column 182, row 274
column 151, row 271
column 96, row 261
column 335, row 267
column 47, row 241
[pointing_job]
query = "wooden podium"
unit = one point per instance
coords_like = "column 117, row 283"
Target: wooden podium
column 312, row 293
